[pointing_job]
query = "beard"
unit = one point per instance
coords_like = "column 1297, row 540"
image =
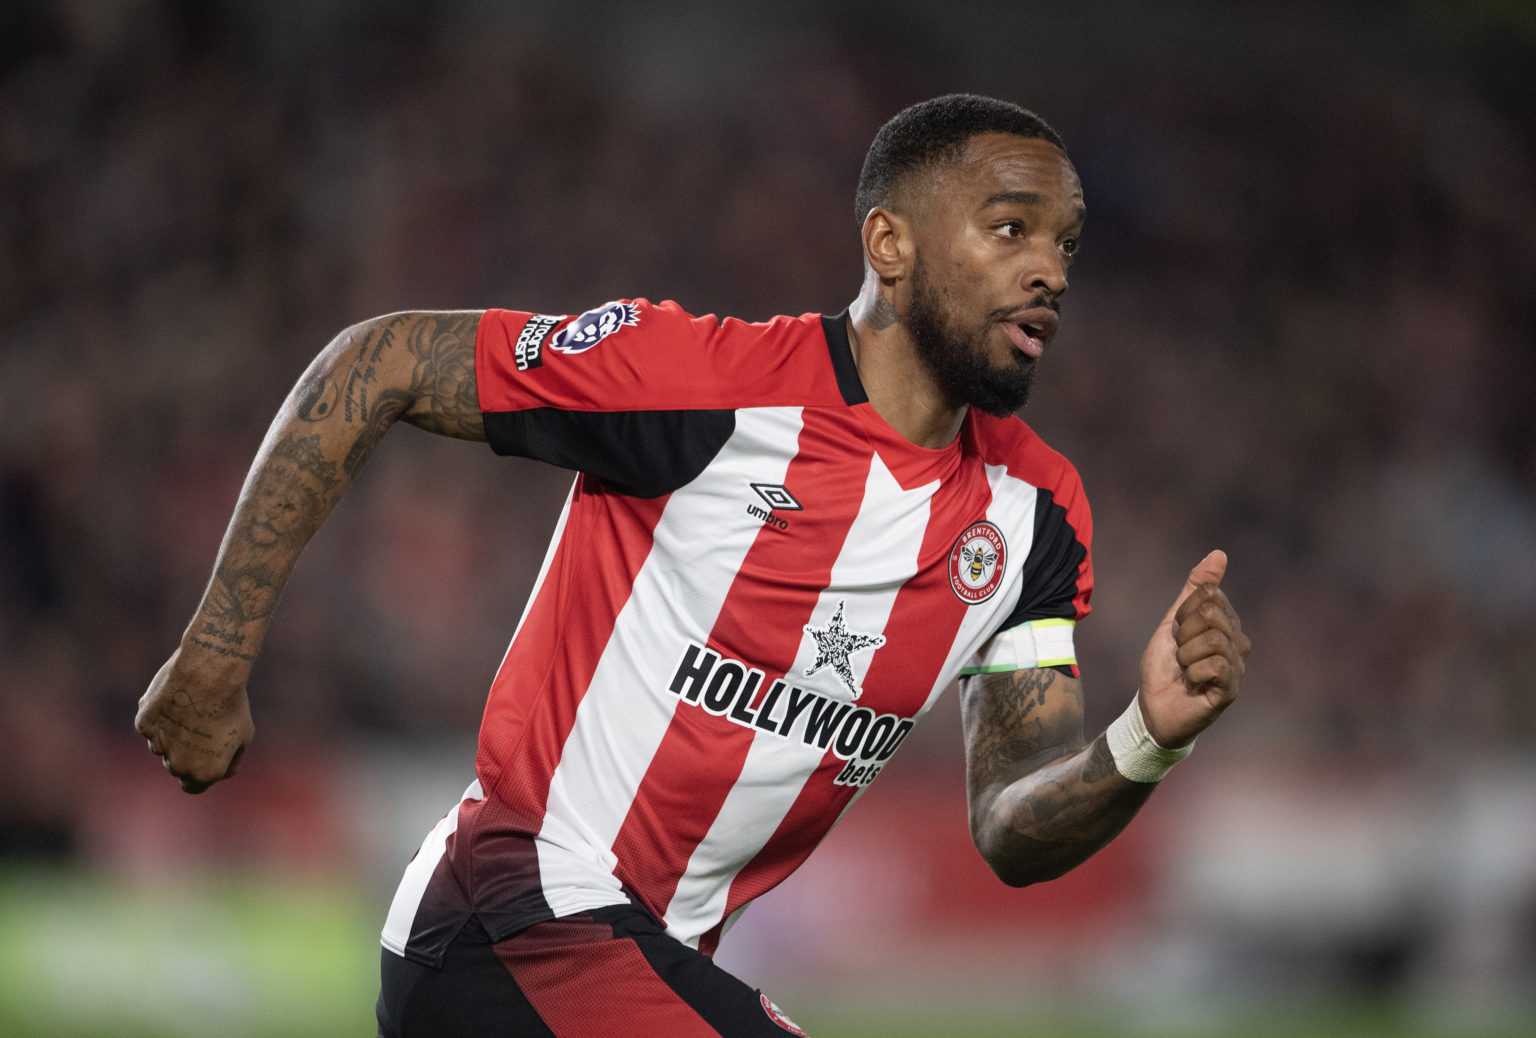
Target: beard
column 958, row 361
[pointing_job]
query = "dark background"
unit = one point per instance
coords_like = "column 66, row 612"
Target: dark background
column 1300, row 329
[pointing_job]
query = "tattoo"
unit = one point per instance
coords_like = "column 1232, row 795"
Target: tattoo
column 883, row 314
column 317, row 399
column 241, row 592
column 167, row 719
column 221, row 640
column 190, row 739
column 1007, row 726
column 387, row 409
column 278, row 513
column 442, row 396
column 379, row 341
column 1040, row 802
column 218, row 707
column 444, row 377
column 414, row 366
column 308, row 456
column 1060, row 801
column 1101, row 763
column 288, row 500
column 218, row 633
column 223, row 650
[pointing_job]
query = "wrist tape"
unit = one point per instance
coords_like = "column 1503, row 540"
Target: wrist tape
column 1137, row 755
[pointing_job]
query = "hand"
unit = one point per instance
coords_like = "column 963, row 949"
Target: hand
column 198, row 720
column 1194, row 663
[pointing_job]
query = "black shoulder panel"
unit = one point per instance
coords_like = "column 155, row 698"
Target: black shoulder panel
column 641, row 453
column 1050, row 571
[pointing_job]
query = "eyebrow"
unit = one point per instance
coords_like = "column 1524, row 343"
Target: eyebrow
column 1032, row 199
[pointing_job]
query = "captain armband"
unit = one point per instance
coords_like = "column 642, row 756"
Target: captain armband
column 1138, row 756
column 1037, row 643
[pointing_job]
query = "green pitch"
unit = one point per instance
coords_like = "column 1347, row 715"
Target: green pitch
column 82, row 956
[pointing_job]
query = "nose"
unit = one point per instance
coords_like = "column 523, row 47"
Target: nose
column 1047, row 270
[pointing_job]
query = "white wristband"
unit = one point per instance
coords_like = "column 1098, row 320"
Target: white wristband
column 1138, row 756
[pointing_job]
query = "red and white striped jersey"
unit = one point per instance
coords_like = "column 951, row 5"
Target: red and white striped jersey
column 755, row 589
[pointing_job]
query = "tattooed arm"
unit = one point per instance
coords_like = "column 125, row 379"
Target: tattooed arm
column 413, row 367
column 1041, row 801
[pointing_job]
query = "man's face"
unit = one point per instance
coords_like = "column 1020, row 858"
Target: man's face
column 995, row 233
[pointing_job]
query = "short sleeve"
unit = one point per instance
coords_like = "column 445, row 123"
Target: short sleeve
column 624, row 392
column 1058, row 582
column 622, row 356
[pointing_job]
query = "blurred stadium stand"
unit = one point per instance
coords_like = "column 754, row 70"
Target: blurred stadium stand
column 1303, row 328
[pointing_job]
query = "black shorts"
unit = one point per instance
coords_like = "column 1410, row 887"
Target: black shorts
column 607, row 972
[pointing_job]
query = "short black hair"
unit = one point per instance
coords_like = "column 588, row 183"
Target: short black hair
column 928, row 134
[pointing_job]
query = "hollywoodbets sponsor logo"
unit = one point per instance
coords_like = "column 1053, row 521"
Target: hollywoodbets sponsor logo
column 729, row 688
column 529, row 349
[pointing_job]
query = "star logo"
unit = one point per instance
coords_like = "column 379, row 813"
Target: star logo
column 835, row 643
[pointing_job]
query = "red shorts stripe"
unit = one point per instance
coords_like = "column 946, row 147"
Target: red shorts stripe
column 555, row 964
column 611, row 971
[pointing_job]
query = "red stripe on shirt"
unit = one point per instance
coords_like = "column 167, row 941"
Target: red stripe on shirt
column 760, row 620
column 919, row 635
column 812, row 816
column 604, row 545
column 923, row 623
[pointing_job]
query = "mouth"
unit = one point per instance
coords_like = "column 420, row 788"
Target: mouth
column 1030, row 330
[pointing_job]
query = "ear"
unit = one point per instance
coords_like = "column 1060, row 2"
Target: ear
column 888, row 245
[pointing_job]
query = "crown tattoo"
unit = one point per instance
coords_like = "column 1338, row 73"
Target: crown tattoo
column 306, row 454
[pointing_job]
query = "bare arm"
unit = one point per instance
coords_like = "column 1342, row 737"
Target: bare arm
column 415, row 367
column 1041, row 801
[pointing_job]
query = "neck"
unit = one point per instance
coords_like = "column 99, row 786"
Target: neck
column 899, row 387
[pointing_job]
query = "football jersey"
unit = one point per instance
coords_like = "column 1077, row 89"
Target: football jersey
column 755, row 589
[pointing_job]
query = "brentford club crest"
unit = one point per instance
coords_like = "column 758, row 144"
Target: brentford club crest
column 976, row 563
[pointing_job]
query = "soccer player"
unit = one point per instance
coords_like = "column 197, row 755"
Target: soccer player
column 785, row 540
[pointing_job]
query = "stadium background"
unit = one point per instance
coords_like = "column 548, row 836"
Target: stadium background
column 1301, row 329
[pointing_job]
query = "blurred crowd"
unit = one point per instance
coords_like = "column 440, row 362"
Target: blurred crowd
column 1303, row 329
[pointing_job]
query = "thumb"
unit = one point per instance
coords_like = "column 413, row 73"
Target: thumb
column 1208, row 570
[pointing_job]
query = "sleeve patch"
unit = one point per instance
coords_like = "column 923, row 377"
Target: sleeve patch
column 594, row 326
column 529, row 349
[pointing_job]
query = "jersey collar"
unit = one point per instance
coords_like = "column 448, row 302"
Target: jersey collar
column 841, row 352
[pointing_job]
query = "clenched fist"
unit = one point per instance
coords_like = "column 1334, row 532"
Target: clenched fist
column 1192, row 667
column 198, row 719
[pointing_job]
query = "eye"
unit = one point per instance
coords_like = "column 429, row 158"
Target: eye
column 1012, row 229
column 1068, row 247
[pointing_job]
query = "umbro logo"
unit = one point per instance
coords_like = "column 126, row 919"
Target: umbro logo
column 775, row 496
